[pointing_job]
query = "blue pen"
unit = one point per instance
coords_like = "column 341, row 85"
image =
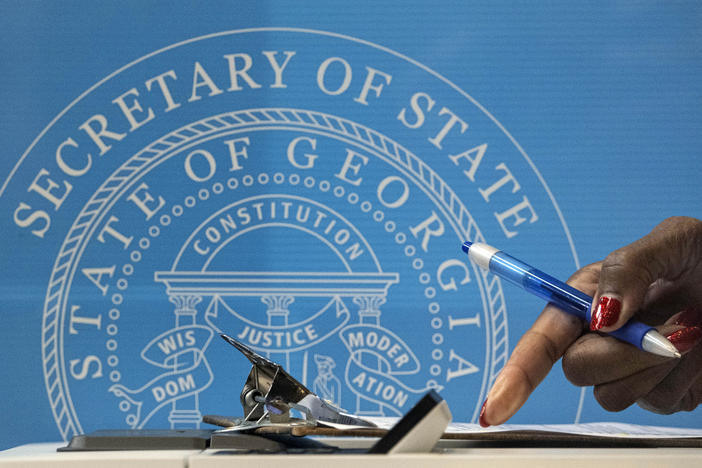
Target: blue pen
column 563, row 296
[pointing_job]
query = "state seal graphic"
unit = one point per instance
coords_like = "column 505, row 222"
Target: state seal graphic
column 304, row 192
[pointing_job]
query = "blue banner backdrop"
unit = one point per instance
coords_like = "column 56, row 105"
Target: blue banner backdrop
column 302, row 177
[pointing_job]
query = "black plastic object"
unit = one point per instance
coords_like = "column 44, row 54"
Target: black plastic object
column 140, row 439
column 416, row 423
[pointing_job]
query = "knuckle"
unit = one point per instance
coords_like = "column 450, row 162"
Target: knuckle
column 682, row 230
column 547, row 346
column 659, row 401
column 610, row 399
column 681, row 238
column 655, row 406
column 615, row 260
column 678, row 223
column 689, row 238
column 575, row 367
column 519, row 374
column 586, row 278
column 633, row 264
column 693, row 396
column 625, row 259
column 689, row 401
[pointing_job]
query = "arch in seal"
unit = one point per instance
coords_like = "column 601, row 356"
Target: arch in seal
column 277, row 289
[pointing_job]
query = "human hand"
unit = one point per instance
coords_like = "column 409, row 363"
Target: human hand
column 653, row 278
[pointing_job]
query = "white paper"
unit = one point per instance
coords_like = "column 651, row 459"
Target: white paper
column 599, row 429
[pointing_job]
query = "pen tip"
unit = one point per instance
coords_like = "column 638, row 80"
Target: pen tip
column 466, row 246
column 655, row 343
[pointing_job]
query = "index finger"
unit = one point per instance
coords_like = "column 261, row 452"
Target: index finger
column 535, row 354
column 532, row 359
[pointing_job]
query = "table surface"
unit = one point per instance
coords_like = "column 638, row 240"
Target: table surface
column 36, row 455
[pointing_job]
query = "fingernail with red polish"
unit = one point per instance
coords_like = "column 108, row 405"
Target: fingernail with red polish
column 606, row 313
column 691, row 317
column 483, row 422
column 685, row 339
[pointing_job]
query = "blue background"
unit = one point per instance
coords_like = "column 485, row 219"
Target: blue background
column 606, row 98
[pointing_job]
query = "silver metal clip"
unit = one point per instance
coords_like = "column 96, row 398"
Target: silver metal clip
column 270, row 393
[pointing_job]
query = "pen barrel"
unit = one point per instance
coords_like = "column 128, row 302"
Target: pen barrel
column 541, row 284
column 563, row 296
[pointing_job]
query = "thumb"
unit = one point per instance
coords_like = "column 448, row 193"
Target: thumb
column 628, row 273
